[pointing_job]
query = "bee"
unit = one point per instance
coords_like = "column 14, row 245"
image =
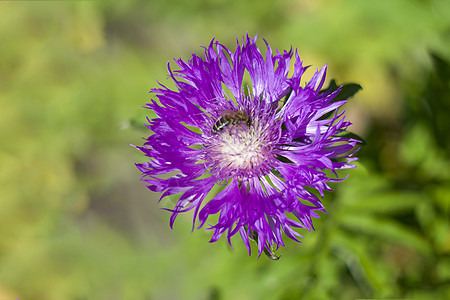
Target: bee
column 231, row 118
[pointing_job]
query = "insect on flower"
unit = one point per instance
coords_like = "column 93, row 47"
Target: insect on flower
column 231, row 118
column 267, row 143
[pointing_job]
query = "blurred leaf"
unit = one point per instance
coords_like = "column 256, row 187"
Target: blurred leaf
column 443, row 269
column 430, row 104
column 425, row 214
column 437, row 95
column 325, row 278
column 385, row 202
column 418, row 149
column 384, row 228
column 137, row 124
column 354, row 252
column 441, row 196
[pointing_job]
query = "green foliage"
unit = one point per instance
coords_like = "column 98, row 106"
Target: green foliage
column 347, row 90
column 76, row 223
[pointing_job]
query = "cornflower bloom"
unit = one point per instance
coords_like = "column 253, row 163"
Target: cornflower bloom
column 265, row 142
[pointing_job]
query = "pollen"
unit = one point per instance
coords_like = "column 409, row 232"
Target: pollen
column 242, row 151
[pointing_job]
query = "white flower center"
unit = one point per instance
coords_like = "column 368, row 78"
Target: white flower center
column 241, row 151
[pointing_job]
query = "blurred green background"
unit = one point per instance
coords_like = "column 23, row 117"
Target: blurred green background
column 76, row 223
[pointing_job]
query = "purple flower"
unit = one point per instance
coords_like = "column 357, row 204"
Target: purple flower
column 237, row 119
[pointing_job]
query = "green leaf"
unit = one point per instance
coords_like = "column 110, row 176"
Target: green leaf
column 385, row 229
column 352, row 135
column 347, row 91
column 355, row 252
column 388, row 202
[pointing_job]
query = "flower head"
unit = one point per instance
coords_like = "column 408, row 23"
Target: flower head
column 264, row 142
